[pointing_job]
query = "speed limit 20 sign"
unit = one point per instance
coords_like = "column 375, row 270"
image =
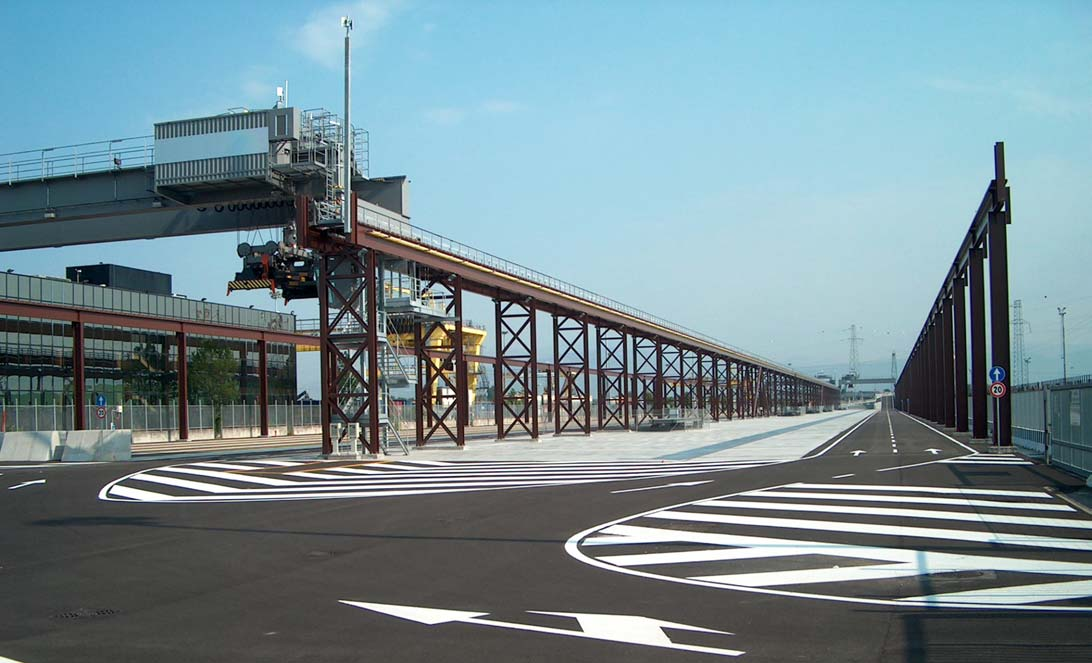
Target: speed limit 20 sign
column 998, row 389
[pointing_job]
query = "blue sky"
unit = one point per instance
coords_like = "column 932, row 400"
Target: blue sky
column 766, row 172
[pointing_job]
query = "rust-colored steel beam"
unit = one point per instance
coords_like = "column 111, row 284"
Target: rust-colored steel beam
column 484, row 280
column 20, row 309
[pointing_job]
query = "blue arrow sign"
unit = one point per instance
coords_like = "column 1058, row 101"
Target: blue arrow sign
column 997, row 374
column 100, row 400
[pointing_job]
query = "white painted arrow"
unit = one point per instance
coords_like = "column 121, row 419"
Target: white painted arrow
column 27, row 483
column 933, row 451
column 629, row 629
column 666, row 485
column 858, row 452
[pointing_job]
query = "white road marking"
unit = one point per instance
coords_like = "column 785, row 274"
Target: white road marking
column 27, row 483
column 669, row 485
column 920, row 489
column 213, row 474
column 997, row 538
column 857, row 452
column 843, row 476
column 904, row 499
column 183, row 483
column 905, row 513
column 628, row 629
column 940, row 433
column 328, row 480
column 1015, row 595
column 843, row 436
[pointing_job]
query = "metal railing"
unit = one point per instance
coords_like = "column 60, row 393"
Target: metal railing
column 76, row 160
column 378, row 219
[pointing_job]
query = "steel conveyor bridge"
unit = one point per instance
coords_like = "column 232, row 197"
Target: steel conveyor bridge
column 646, row 368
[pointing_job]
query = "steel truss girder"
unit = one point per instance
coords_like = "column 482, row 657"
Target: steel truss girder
column 572, row 383
column 515, row 371
column 442, row 368
column 613, row 377
column 646, row 379
column 347, row 318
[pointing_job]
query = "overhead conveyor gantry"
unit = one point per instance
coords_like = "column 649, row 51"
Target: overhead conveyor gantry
column 197, row 179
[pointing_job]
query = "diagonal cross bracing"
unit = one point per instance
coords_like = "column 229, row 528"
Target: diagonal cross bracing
column 516, row 368
column 572, row 383
column 613, row 377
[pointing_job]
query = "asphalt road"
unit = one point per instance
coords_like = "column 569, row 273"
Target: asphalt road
column 910, row 551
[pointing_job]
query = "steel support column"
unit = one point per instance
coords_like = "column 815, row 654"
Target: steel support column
column 79, row 377
column 516, row 368
column 978, row 345
column 959, row 298
column 947, row 363
column 999, row 319
column 573, row 384
column 442, row 397
column 183, row 387
column 715, row 386
column 645, row 379
column 349, row 360
column 263, row 389
column 672, row 371
column 613, row 377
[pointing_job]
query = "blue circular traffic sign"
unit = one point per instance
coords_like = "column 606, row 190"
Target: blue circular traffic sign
column 997, row 374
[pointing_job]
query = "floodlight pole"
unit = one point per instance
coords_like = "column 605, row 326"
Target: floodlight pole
column 347, row 142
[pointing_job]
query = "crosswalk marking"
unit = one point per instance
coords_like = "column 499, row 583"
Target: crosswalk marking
column 909, row 513
column 251, row 481
column 1021, row 594
column 953, row 501
column 870, row 552
column 883, row 530
column 923, row 489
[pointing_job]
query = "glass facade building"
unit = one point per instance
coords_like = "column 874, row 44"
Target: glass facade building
column 127, row 365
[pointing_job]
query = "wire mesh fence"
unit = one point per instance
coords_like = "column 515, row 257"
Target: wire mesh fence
column 205, row 419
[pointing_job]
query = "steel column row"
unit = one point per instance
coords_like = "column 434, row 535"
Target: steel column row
column 934, row 381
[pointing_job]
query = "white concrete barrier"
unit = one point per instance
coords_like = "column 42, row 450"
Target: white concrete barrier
column 40, row 446
column 98, row 445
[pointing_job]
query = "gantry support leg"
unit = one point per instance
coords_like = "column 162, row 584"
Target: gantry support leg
column 350, row 387
column 645, row 379
column 573, row 383
column 516, row 368
column 612, row 376
column 442, row 396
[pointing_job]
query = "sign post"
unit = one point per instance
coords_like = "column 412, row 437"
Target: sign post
column 998, row 389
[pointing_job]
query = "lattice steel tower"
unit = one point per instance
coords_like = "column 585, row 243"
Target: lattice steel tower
column 1018, row 324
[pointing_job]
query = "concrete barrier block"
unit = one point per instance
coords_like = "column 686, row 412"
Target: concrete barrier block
column 98, row 445
column 30, row 446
